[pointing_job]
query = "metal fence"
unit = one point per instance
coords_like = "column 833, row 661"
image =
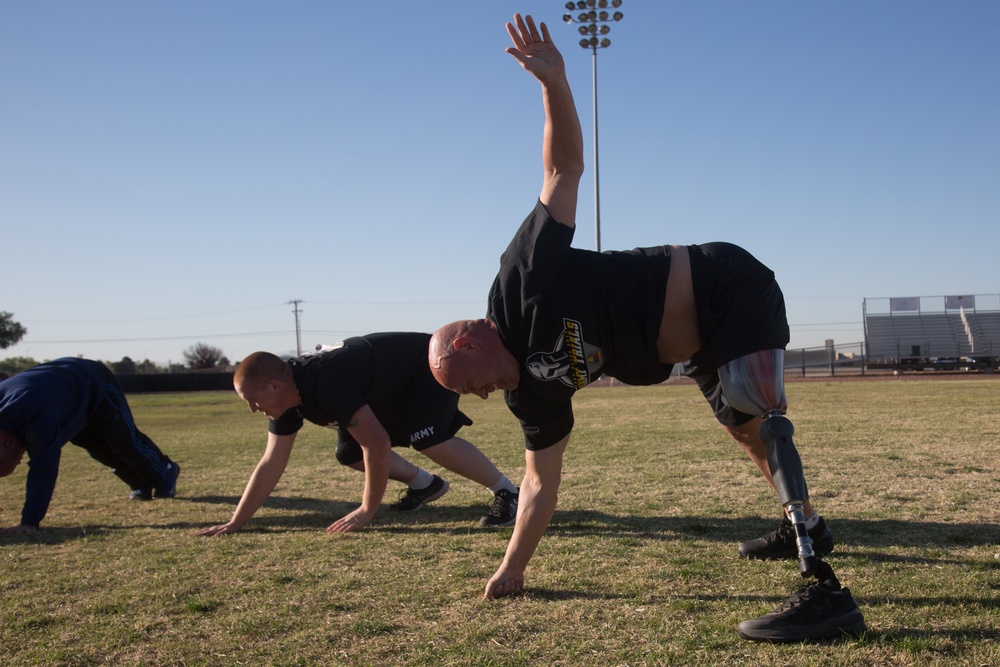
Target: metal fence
column 827, row 361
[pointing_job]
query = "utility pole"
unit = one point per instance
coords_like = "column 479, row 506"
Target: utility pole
column 298, row 331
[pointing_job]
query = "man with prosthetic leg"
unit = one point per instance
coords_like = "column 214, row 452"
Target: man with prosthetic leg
column 559, row 317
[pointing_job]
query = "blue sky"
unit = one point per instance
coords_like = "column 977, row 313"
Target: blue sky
column 178, row 172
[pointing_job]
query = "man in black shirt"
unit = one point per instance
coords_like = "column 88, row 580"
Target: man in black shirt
column 377, row 392
column 560, row 317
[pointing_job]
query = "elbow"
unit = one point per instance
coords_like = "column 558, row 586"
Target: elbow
column 568, row 171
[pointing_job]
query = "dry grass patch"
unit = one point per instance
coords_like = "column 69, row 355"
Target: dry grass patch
column 639, row 566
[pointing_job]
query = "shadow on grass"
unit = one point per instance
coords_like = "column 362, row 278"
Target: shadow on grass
column 909, row 634
column 555, row 595
column 852, row 533
column 870, row 606
column 305, row 514
column 320, row 513
column 964, row 602
column 313, row 513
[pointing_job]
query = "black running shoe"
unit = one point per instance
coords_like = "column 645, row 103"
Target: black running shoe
column 169, row 488
column 503, row 509
column 815, row 612
column 141, row 494
column 781, row 543
column 413, row 499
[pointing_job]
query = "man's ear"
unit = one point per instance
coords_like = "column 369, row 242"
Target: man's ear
column 465, row 343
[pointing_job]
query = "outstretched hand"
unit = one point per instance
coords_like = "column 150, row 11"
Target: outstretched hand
column 223, row 529
column 535, row 50
column 356, row 520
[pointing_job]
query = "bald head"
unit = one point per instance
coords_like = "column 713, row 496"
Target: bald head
column 259, row 368
column 468, row 357
column 266, row 383
column 443, row 341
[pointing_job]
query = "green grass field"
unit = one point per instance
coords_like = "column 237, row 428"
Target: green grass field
column 639, row 566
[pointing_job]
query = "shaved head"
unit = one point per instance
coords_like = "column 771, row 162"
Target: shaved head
column 468, row 357
column 443, row 342
column 266, row 383
column 259, row 368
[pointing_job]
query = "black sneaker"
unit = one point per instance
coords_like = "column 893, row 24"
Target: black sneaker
column 413, row 499
column 169, row 488
column 822, row 610
column 503, row 509
column 781, row 543
column 141, row 494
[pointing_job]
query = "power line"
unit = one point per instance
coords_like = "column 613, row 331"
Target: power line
column 160, row 318
column 150, row 338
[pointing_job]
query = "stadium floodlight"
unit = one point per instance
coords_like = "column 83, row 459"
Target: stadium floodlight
column 592, row 21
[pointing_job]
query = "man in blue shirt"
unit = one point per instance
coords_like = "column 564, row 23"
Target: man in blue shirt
column 79, row 401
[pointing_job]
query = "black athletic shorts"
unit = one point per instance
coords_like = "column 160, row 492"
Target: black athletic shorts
column 421, row 423
column 741, row 310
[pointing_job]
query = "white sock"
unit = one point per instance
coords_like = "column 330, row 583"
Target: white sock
column 503, row 483
column 812, row 521
column 421, row 481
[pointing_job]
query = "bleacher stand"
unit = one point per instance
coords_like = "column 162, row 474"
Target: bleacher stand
column 933, row 333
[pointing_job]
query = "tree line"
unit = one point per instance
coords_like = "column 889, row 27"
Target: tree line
column 198, row 357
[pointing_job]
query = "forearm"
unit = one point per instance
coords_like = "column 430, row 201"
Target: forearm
column 562, row 146
column 40, row 485
column 376, row 476
column 264, row 478
column 536, row 505
column 257, row 491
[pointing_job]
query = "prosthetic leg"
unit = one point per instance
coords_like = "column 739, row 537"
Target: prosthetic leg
column 755, row 384
column 823, row 609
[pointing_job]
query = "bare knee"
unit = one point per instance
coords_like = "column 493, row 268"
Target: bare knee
column 747, row 435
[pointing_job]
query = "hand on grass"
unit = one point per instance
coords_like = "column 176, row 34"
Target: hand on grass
column 224, row 529
column 503, row 583
column 354, row 521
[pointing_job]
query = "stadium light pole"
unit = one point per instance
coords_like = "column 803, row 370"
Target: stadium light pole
column 593, row 22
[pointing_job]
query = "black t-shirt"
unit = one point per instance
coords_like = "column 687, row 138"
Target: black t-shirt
column 569, row 315
column 375, row 370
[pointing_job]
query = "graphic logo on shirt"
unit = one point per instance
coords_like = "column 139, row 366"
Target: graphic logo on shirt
column 573, row 362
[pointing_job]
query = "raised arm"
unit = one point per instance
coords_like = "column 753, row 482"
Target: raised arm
column 264, row 478
column 562, row 142
column 376, row 449
column 536, row 505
